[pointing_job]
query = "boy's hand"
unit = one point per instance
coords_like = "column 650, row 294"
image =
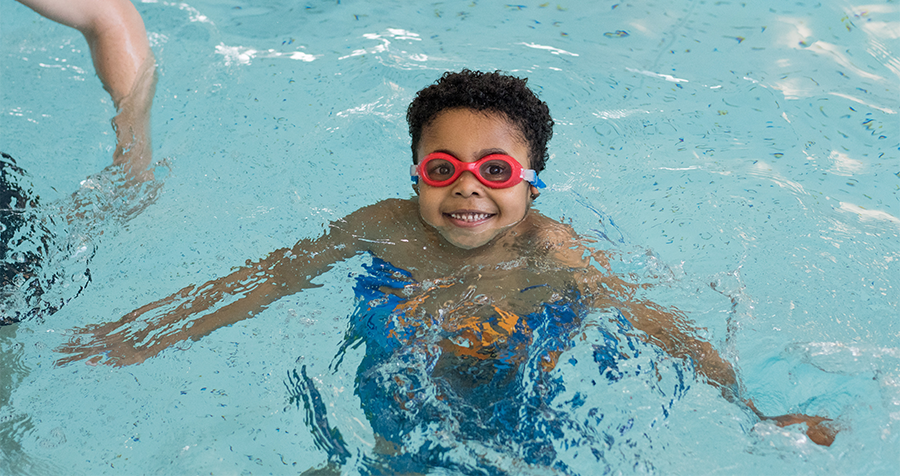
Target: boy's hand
column 819, row 429
column 115, row 347
column 127, row 341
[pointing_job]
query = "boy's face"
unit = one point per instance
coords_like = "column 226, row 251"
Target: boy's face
column 467, row 213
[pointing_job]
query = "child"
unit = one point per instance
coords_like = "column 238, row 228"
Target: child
column 464, row 274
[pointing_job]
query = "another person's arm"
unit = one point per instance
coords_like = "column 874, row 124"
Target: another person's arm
column 124, row 62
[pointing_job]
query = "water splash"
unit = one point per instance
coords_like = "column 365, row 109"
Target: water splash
column 46, row 249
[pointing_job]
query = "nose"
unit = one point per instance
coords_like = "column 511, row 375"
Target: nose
column 467, row 185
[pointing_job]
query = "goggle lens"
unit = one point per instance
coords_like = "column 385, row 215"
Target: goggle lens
column 497, row 171
column 438, row 170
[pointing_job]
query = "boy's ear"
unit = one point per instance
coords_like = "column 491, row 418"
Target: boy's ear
column 415, row 187
column 535, row 192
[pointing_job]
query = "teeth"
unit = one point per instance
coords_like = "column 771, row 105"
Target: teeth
column 469, row 217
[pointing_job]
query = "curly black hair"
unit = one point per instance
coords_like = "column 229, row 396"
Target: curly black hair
column 490, row 93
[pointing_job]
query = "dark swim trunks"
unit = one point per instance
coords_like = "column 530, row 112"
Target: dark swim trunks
column 16, row 226
column 14, row 205
column 35, row 281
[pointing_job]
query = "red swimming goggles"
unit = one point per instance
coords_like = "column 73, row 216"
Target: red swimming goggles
column 440, row 169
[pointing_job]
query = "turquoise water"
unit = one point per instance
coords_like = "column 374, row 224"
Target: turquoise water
column 743, row 158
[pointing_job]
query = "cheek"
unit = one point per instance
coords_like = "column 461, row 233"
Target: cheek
column 515, row 204
column 428, row 205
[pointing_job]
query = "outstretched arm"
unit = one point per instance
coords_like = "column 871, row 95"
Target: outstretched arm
column 672, row 331
column 196, row 311
column 121, row 53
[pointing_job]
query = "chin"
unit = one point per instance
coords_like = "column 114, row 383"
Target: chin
column 467, row 246
column 467, row 243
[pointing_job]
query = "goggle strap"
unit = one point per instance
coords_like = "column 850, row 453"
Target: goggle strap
column 414, row 173
column 531, row 177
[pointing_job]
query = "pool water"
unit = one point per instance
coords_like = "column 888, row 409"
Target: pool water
column 741, row 158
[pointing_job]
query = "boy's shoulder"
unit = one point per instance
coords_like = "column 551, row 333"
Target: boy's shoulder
column 384, row 219
column 556, row 240
column 549, row 232
column 387, row 208
column 395, row 214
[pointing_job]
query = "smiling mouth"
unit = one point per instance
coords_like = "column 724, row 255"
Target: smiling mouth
column 470, row 217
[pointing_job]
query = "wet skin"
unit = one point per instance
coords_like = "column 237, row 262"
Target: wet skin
column 467, row 213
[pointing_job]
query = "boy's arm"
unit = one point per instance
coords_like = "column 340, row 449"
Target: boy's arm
column 669, row 330
column 672, row 331
column 124, row 62
column 195, row 311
